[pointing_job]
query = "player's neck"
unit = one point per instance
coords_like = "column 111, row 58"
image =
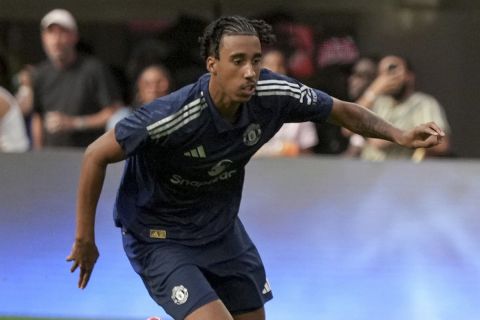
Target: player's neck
column 227, row 108
column 229, row 112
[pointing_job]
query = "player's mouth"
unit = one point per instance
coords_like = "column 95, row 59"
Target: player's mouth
column 249, row 88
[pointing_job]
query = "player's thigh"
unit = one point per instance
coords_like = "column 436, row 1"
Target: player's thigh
column 170, row 277
column 240, row 282
column 214, row 310
column 258, row 314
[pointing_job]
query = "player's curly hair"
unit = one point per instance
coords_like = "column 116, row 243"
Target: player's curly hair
column 232, row 25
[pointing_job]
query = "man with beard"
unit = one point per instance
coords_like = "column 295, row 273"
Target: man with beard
column 393, row 97
column 364, row 72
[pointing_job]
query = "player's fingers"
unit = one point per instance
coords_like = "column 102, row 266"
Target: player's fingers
column 84, row 277
column 74, row 266
column 428, row 128
column 429, row 142
column 431, row 131
column 80, row 282
column 437, row 129
column 432, row 128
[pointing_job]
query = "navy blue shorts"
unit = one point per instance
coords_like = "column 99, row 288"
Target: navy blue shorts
column 183, row 278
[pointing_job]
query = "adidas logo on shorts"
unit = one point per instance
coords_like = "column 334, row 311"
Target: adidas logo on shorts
column 266, row 288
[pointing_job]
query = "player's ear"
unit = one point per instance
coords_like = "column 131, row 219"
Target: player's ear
column 212, row 65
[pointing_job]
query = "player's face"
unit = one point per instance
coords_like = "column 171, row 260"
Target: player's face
column 235, row 73
column 58, row 42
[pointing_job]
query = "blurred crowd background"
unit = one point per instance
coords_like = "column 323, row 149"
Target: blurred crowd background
column 321, row 41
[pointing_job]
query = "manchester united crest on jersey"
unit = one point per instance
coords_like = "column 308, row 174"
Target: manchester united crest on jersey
column 252, row 135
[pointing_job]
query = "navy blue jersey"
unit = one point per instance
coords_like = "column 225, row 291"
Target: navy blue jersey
column 184, row 173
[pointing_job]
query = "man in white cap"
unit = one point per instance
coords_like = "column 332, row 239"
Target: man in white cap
column 75, row 95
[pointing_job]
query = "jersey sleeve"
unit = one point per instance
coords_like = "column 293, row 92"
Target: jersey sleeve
column 302, row 103
column 312, row 105
column 132, row 131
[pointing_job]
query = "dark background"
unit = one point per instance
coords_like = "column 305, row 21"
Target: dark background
column 441, row 38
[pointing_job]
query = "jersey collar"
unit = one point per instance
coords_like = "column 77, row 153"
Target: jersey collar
column 220, row 123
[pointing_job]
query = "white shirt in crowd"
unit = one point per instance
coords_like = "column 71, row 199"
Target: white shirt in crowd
column 13, row 136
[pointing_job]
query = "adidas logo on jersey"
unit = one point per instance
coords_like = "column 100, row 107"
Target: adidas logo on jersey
column 198, row 152
column 266, row 288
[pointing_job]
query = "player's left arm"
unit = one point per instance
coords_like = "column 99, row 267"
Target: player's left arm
column 366, row 123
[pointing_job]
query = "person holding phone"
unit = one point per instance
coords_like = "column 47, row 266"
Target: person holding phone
column 393, row 96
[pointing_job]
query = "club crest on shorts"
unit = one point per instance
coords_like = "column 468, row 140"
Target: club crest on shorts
column 252, row 134
column 179, row 294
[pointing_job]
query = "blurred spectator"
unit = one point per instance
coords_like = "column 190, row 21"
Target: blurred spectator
column 74, row 95
column 335, row 56
column 364, row 72
column 275, row 61
column 394, row 98
column 153, row 82
column 13, row 137
column 24, row 94
column 293, row 138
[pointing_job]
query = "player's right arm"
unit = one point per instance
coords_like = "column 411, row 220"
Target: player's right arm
column 99, row 154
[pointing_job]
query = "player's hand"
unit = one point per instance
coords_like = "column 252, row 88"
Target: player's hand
column 423, row 136
column 83, row 255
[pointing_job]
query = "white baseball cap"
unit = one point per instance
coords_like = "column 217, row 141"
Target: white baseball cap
column 60, row 17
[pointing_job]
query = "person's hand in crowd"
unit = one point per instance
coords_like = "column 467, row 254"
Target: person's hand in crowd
column 386, row 82
column 56, row 122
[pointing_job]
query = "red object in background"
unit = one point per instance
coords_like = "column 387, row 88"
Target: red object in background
column 337, row 50
column 300, row 62
column 300, row 65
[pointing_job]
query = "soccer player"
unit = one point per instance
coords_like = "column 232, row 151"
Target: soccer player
column 185, row 154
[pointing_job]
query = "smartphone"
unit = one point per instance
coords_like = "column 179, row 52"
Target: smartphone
column 392, row 67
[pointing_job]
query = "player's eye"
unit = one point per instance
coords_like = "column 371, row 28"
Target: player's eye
column 237, row 62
